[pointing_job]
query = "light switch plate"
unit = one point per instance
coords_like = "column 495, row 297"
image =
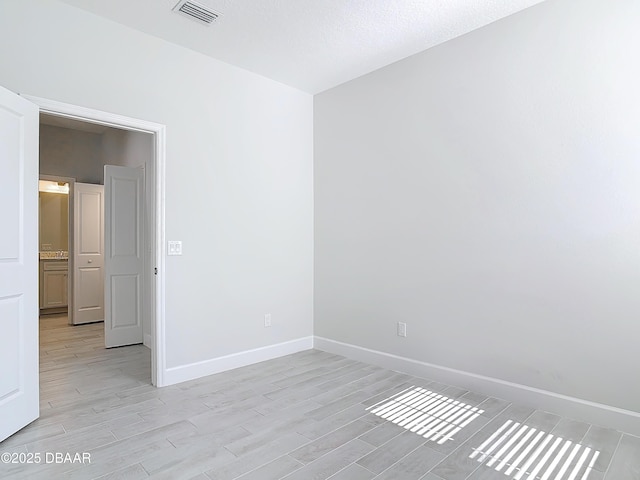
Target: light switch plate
column 174, row 247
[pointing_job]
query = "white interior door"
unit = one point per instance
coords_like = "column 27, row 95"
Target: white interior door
column 19, row 404
column 88, row 253
column 124, row 255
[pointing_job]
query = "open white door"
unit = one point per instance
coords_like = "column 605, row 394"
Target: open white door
column 19, row 403
column 124, row 255
column 88, row 253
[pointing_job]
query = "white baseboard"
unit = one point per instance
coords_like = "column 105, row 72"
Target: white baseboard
column 576, row 408
column 191, row 371
column 147, row 341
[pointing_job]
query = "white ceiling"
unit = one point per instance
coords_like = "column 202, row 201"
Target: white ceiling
column 312, row 45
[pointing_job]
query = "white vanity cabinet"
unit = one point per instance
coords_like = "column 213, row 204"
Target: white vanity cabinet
column 54, row 276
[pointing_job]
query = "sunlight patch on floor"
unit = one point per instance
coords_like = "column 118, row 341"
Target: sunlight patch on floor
column 526, row 453
column 430, row 414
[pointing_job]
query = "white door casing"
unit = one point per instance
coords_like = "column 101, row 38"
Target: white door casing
column 124, row 255
column 19, row 392
column 88, row 253
column 53, row 107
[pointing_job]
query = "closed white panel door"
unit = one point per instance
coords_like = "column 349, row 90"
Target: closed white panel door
column 88, row 253
column 124, row 255
column 19, row 403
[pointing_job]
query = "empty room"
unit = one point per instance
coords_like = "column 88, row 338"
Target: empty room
column 347, row 240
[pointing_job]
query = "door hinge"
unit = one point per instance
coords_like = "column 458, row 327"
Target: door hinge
column 155, row 271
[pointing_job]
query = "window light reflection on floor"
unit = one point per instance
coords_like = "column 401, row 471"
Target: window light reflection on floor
column 430, row 414
column 524, row 453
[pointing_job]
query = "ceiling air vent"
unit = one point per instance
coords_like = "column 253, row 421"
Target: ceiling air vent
column 196, row 11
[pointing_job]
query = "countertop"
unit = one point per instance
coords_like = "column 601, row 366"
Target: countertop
column 54, row 255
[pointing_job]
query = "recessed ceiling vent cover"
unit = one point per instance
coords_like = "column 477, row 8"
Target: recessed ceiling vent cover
column 196, row 11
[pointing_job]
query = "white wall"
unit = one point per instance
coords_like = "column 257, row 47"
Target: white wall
column 239, row 169
column 126, row 148
column 70, row 153
column 487, row 192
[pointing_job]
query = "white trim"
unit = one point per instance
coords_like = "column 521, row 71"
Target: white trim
column 572, row 407
column 195, row 370
column 158, row 357
column 148, row 342
column 158, row 328
column 100, row 117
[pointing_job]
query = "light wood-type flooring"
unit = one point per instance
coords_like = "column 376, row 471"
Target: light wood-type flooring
column 307, row 416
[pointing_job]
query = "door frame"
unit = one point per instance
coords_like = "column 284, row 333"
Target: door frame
column 53, row 107
column 71, row 181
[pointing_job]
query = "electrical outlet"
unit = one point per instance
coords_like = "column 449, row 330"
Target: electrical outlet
column 402, row 329
column 267, row 320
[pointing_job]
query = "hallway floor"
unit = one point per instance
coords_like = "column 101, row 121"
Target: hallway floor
column 307, row 416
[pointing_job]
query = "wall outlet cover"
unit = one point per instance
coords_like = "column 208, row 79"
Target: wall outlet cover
column 402, row 329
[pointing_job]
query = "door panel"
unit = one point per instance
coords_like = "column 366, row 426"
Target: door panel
column 124, row 255
column 90, row 288
column 19, row 404
column 125, row 290
column 88, row 253
column 55, row 289
column 10, row 307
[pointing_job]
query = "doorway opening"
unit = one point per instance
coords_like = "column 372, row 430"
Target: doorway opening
column 124, row 132
column 55, row 195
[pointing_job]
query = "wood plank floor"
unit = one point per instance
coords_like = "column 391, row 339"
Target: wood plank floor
column 311, row 415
